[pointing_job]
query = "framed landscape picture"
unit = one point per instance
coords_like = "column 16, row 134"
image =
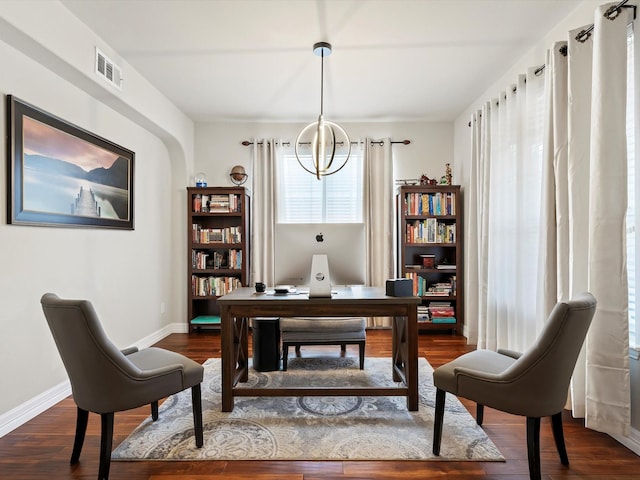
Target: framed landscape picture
column 62, row 175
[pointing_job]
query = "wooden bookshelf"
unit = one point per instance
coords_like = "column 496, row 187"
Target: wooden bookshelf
column 218, row 250
column 430, row 252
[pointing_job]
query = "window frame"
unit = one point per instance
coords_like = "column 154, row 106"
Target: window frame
column 321, row 205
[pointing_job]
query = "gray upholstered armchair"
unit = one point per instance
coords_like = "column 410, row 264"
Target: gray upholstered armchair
column 105, row 380
column 534, row 384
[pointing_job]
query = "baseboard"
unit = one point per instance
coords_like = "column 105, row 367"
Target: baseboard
column 31, row 408
column 158, row 335
column 632, row 442
column 21, row 414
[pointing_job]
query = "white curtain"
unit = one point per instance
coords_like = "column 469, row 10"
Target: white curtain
column 547, row 204
column 586, row 186
column 380, row 228
column 263, row 209
column 607, row 397
column 503, row 221
column 477, row 227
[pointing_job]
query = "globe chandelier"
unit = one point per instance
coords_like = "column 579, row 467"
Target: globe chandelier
column 324, row 141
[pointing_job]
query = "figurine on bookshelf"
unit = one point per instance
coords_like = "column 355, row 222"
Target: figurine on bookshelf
column 447, row 177
column 424, row 180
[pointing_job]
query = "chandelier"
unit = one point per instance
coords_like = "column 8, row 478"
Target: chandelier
column 324, row 140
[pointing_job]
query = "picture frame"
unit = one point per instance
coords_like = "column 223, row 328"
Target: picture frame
column 59, row 174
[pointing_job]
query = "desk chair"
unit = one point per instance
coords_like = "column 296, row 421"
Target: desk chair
column 105, row 380
column 533, row 384
column 341, row 331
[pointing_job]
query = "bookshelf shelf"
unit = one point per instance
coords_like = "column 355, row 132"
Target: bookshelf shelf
column 218, row 250
column 430, row 252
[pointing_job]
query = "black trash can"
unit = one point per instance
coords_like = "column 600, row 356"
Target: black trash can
column 266, row 344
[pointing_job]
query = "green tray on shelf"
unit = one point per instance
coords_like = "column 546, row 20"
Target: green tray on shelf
column 206, row 320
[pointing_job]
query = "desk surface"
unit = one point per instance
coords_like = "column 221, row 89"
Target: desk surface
column 350, row 295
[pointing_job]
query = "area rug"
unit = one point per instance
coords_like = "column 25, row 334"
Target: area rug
column 310, row 428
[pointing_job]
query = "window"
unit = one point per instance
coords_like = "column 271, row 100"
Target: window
column 302, row 198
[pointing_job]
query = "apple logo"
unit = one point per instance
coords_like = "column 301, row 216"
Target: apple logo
column 319, row 238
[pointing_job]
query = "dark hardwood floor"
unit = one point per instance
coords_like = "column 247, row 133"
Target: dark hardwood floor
column 41, row 448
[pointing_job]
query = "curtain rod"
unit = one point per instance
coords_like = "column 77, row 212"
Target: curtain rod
column 611, row 14
column 246, row 143
column 564, row 50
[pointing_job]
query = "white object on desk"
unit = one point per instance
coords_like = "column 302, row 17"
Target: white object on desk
column 319, row 281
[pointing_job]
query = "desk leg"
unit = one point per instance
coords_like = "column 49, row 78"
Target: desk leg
column 405, row 354
column 411, row 364
column 397, row 332
column 228, row 354
column 242, row 329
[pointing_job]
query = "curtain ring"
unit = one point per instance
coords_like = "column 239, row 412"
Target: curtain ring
column 583, row 36
column 612, row 12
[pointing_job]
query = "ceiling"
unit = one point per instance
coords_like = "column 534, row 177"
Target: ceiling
column 252, row 60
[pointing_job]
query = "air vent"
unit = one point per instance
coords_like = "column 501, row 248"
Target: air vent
column 108, row 70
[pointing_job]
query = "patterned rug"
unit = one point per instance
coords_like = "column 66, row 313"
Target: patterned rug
column 310, row 428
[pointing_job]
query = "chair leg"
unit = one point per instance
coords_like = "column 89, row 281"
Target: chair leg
column 196, row 401
column 154, row 411
column 558, row 436
column 533, row 447
column 82, row 419
column 479, row 413
column 285, row 356
column 438, row 420
column 361, row 346
column 106, row 437
column 298, row 354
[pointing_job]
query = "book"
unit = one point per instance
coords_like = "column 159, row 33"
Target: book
column 432, row 226
column 443, row 319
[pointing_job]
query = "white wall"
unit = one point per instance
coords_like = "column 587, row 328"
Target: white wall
column 120, row 271
column 47, row 59
column 218, row 146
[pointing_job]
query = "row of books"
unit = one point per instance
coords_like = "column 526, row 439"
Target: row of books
column 430, row 231
column 444, row 266
column 441, row 312
column 439, row 203
column 213, row 286
column 216, row 235
column 437, row 312
column 217, row 203
column 423, row 288
column 231, row 259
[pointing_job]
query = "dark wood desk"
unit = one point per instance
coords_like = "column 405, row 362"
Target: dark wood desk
column 237, row 307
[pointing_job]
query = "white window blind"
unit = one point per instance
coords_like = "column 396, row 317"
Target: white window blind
column 302, row 198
